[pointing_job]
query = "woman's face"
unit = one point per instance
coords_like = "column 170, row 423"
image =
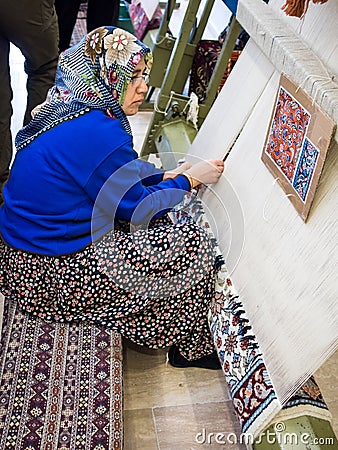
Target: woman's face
column 136, row 90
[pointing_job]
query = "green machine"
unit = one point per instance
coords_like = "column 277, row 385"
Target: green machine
column 169, row 134
column 300, row 433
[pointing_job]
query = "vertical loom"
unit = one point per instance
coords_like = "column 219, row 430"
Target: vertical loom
column 285, row 269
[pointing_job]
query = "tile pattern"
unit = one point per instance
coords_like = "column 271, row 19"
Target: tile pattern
column 165, row 407
column 140, row 431
column 197, row 426
column 144, row 369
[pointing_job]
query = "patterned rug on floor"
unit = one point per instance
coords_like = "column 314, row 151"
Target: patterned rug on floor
column 60, row 385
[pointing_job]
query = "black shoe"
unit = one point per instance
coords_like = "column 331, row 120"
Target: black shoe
column 205, row 362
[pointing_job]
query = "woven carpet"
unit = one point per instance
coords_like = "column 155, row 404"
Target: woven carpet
column 61, row 385
column 250, row 386
column 203, row 65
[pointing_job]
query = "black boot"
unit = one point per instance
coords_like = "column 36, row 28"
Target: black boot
column 206, row 362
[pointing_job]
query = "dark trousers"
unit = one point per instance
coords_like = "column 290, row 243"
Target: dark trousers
column 31, row 25
column 99, row 13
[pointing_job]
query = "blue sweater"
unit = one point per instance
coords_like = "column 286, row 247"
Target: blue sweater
column 71, row 183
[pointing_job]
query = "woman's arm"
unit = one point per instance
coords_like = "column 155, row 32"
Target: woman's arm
column 117, row 188
column 149, row 174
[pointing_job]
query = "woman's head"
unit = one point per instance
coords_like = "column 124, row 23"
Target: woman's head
column 100, row 68
column 114, row 55
column 100, row 72
column 136, row 90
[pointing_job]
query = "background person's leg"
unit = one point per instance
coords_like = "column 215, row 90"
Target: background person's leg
column 102, row 12
column 38, row 42
column 5, row 113
column 66, row 11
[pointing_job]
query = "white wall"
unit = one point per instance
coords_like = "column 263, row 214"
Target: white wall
column 218, row 19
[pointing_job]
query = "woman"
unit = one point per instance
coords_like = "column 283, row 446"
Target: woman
column 85, row 234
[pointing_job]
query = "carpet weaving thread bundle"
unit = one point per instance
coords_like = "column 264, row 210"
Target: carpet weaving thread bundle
column 298, row 8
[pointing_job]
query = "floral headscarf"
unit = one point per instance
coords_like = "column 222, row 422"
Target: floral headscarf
column 93, row 74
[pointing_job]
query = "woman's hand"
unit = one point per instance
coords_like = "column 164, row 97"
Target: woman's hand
column 170, row 174
column 206, row 172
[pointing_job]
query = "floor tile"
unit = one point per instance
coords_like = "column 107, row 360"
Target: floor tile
column 150, row 382
column 139, row 431
column 139, row 125
column 197, row 426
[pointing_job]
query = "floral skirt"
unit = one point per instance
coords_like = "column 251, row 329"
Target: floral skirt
column 154, row 286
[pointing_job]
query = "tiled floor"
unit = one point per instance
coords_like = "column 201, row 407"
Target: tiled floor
column 168, row 408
